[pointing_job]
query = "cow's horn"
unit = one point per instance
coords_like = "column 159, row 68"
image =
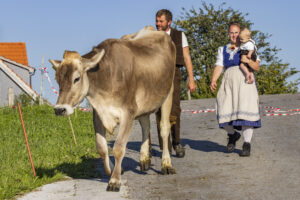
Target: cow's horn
column 55, row 63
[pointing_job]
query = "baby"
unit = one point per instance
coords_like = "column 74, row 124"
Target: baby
column 248, row 49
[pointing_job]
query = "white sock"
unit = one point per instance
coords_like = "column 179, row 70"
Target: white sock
column 229, row 129
column 247, row 133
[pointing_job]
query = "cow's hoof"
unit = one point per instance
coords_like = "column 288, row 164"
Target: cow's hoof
column 145, row 165
column 168, row 170
column 113, row 187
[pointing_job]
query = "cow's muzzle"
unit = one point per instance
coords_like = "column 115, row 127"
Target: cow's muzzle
column 63, row 109
column 60, row 111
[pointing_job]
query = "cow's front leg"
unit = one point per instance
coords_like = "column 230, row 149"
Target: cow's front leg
column 165, row 131
column 101, row 143
column 145, row 160
column 119, row 151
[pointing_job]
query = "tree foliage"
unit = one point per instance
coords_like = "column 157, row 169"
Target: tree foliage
column 207, row 29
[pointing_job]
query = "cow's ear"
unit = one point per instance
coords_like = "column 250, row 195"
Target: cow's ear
column 55, row 63
column 92, row 62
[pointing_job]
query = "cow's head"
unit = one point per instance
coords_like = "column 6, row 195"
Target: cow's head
column 71, row 76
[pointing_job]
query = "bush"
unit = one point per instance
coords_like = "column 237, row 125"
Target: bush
column 26, row 100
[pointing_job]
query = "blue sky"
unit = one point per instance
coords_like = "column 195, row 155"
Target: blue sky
column 50, row 27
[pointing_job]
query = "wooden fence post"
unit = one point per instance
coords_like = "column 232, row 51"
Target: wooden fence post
column 11, row 96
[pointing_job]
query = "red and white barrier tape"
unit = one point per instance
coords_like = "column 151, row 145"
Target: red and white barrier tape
column 275, row 111
column 291, row 110
column 203, row 111
column 271, row 107
column 85, row 109
column 187, row 110
column 199, row 111
column 282, row 114
column 48, row 78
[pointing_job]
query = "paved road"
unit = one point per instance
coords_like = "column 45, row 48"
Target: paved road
column 207, row 171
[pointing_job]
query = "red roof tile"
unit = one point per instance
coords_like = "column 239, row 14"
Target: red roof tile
column 15, row 51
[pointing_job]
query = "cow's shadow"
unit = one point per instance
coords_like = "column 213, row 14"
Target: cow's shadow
column 206, row 146
column 129, row 164
column 88, row 168
column 136, row 146
column 199, row 145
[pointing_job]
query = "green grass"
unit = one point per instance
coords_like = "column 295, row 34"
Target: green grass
column 53, row 151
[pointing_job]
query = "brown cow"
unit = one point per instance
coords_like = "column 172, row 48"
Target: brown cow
column 123, row 79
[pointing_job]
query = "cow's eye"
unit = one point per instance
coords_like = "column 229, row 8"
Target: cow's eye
column 76, row 80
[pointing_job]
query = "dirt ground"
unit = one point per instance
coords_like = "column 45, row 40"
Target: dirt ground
column 209, row 172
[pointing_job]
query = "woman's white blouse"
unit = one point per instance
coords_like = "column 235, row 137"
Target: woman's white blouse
column 220, row 58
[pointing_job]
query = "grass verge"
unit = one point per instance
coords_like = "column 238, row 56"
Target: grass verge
column 53, row 151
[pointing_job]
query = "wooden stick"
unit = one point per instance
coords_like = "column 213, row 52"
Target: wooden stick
column 28, row 149
column 72, row 130
column 189, row 95
column 41, row 84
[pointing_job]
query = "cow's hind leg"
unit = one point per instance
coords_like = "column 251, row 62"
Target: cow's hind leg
column 126, row 121
column 165, row 131
column 145, row 160
column 101, row 143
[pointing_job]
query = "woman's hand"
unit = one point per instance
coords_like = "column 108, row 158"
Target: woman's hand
column 252, row 64
column 244, row 59
column 216, row 74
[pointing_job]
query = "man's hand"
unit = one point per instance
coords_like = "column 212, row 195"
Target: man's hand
column 192, row 85
column 189, row 68
column 213, row 86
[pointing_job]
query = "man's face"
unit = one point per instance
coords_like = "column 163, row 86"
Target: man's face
column 234, row 32
column 162, row 24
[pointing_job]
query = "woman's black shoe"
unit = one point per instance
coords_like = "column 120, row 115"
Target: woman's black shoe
column 232, row 138
column 246, row 149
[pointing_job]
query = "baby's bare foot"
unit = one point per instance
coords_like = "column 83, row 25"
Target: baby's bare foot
column 250, row 78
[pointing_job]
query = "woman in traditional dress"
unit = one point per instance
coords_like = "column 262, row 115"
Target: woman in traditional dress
column 237, row 101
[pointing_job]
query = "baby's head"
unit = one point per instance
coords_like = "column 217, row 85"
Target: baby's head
column 245, row 35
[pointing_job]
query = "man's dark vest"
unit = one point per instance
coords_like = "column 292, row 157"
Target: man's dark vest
column 177, row 39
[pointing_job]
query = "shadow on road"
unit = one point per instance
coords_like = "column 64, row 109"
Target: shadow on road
column 199, row 145
column 87, row 168
column 206, row 146
column 135, row 146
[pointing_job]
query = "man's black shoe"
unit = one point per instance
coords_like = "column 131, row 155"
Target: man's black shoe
column 232, row 138
column 246, row 149
column 180, row 151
